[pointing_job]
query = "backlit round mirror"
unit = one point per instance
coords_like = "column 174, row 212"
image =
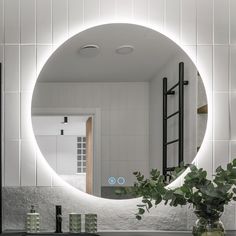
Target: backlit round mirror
column 115, row 99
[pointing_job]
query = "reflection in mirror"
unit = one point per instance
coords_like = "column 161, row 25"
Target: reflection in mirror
column 61, row 139
column 98, row 109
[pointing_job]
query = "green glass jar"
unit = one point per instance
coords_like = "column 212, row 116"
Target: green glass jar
column 90, row 223
column 32, row 221
column 75, row 223
column 208, row 223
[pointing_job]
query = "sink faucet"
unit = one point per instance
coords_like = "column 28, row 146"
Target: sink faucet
column 58, row 219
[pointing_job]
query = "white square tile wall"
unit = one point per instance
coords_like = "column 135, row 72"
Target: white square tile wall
column 232, row 24
column 124, row 10
column 28, row 163
column 44, row 21
column 91, row 11
column 12, row 68
column 28, row 28
column 220, row 70
column 12, row 21
column 204, row 21
column 1, row 21
column 107, row 9
column 12, row 163
column 172, row 18
column 188, row 22
column 141, row 10
column 221, row 21
column 156, row 12
column 59, row 21
column 75, row 16
column 27, row 21
column 12, row 116
column 27, row 67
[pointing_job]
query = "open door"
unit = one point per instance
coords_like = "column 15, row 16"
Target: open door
column 89, row 155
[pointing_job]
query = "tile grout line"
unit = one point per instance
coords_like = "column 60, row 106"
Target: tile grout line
column 36, row 71
column 20, row 95
column 3, row 98
column 164, row 17
column 52, row 49
column 197, row 46
column 181, row 21
column 213, row 81
column 67, row 12
column 148, row 12
column 35, row 51
column 46, row 44
column 230, row 84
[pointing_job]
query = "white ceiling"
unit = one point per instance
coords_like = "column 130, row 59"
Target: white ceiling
column 51, row 125
column 151, row 51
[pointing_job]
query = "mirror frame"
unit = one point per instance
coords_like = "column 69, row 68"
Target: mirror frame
column 205, row 145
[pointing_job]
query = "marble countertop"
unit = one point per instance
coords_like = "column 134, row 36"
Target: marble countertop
column 119, row 233
column 153, row 233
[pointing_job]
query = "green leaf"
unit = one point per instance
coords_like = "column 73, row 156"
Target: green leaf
column 219, row 169
column 178, row 191
column 193, row 167
column 149, row 204
column 140, row 178
column 141, row 205
column 202, row 193
column 141, row 211
column 234, row 162
column 157, row 201
column 157, row 197
column 185, row 189
column 229, row 166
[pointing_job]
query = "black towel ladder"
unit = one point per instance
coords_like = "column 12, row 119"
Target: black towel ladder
column 180, row 112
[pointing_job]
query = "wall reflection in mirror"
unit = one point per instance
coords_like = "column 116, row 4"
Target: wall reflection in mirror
column 97, row 108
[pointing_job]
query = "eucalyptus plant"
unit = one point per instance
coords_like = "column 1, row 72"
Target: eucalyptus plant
column 205, row 195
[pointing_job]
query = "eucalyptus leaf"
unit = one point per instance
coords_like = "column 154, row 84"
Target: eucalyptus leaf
column 234, row 162
column 201, row 193
column 141, row 211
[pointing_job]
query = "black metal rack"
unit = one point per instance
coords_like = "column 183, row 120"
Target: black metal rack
column 180, row 112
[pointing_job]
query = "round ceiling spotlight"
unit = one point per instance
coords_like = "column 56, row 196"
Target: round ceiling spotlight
column 89, row 50
column 125, row 49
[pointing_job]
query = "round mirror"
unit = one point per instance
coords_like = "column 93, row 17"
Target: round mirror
column 115, row 99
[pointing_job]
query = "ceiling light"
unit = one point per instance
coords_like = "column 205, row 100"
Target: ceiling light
column 89, row 50
column 125, row 49
column 65, row 121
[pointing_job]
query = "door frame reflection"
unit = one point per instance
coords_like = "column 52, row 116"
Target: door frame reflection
column 95, row 113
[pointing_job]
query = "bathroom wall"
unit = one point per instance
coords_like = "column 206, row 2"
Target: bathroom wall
column 31, row 29
column 124, row 111
column 171, row 72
